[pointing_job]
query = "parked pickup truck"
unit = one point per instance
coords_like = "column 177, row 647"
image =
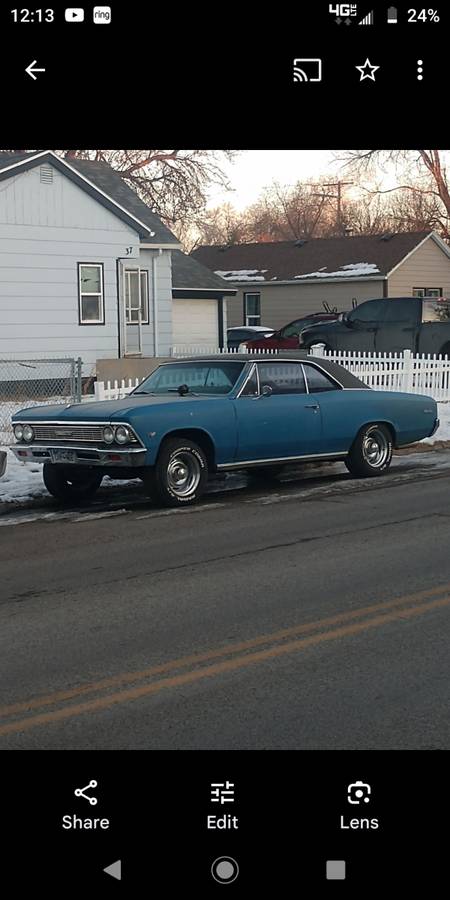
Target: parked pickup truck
column 387, row 325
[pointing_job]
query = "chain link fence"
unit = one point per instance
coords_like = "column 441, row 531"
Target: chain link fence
column 34, row 382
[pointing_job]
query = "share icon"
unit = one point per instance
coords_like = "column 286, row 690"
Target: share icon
column 79, row 792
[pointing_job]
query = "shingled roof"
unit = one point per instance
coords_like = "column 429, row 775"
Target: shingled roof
column 189, row 274
column 103, row 177
column 356, row 258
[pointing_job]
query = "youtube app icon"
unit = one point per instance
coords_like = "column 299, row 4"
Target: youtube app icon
column 74, row 14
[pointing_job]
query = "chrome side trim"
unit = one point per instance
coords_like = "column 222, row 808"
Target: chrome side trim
column 246, row 463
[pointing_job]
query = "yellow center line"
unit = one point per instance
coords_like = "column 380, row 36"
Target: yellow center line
column 227, row 650
column 230, row 665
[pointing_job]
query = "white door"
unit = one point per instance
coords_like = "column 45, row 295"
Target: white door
column 195, row 323
column 135, row 290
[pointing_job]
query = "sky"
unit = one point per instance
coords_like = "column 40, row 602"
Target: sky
column 253, row 170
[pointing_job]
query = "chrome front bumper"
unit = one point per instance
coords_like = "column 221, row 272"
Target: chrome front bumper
column 84, row 456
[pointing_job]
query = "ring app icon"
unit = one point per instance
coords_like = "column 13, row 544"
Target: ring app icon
column 359, row 792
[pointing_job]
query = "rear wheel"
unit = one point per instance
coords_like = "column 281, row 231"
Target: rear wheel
column 71, row 484
column 371, row 451
column 180, row 475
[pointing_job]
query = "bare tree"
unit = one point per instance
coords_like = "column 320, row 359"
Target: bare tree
column 420, row 172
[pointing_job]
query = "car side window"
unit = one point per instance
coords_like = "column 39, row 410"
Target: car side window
column 401, row 312
column 372, row 311
column 283, row 378
column 251, row 388
column 318, row 381
column 294, row 328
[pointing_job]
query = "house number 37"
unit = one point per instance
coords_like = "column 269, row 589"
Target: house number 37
column 129, row 250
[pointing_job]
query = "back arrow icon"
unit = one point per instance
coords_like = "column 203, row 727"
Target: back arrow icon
column 30, row 70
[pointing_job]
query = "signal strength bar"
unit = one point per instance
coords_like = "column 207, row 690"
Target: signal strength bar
column 368, row 20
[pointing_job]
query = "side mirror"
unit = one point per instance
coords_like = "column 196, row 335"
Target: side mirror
column 266, row 390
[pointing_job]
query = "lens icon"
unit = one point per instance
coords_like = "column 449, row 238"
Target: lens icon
column 225, row 870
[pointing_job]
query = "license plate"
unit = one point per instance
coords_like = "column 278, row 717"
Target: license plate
column 63, row 456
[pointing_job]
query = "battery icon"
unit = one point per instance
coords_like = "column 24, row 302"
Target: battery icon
column 392, row 16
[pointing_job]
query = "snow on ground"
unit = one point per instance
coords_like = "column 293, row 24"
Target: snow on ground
column 23, row 481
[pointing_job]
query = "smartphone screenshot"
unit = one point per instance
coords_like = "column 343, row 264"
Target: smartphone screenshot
column 224, row 450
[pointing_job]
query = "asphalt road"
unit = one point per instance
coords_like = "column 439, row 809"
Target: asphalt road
column 304, row 615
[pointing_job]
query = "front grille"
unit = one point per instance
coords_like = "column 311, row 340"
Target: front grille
column 72, row 432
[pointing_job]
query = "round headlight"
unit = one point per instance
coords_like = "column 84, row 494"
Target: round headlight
column 18, row 432
column 28, row 433
column 108, row 434
column 123, row 435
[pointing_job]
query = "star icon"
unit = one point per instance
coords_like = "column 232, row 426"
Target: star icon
column 367, row 70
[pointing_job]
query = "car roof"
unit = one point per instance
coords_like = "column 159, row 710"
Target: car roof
column 343, row 376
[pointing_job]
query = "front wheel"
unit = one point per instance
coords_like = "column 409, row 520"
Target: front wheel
column 371, row 451
column 71, row 484
column 180, row 475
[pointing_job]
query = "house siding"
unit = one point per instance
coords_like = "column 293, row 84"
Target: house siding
column 281, row 304
column 428, row 267
column 45, row 231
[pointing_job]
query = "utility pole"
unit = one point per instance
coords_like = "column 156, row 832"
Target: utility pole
column 339, row 185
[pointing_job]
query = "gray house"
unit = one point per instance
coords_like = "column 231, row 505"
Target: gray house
column 281, row 281
column 86, row 268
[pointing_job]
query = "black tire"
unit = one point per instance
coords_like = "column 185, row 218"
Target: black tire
column 180, row 475
column 371, row 451
column 71, row 484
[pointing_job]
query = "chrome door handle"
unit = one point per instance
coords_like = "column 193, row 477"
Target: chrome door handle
column 312, row 406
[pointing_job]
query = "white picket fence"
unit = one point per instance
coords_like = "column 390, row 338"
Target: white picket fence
column 114, row 390
column 426, row 374
column 384, row 372
column 181, row 350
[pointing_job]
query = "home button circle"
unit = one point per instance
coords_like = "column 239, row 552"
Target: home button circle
column 225, row 869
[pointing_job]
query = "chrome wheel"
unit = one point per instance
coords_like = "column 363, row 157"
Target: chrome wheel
column 376, row 447
column 183, row 474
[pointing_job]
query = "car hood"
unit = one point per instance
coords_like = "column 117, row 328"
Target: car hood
column 104, row 410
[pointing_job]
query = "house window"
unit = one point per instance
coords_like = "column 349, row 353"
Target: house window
column 252, row 309
column 134, row 302
column 427, row 292
column 91, row 294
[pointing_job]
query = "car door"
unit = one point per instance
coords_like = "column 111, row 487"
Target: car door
column 340, row 410
column 399, row 326
column 275, row 416
column 360, row 327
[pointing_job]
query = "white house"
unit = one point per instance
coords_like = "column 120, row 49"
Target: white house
column 86, row 268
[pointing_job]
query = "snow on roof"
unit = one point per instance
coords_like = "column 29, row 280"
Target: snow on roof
column 356, row 270
column 243, row 274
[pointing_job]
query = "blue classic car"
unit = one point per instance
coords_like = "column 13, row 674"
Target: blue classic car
column 208, row 414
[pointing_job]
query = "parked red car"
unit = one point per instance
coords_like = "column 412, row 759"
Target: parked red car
column 287, row 337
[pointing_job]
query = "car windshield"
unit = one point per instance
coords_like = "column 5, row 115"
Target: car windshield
column 201, row 378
